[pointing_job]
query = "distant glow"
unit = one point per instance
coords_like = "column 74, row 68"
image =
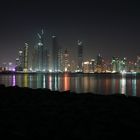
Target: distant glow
column 50, row 70
column 134, row 86
column 25, row 80
column 20, row 52
column 25, row 70
column 77, row 70
column 134, row 72
column 31, row 69
column 66, row 69
column 44, row 70
column 123, row 85
column 86, row 63
column 66, row 83
column 13, row 80
column 50, row 82
column 44, row 81
column 123, row 72
column 10, row 63
column 108, row 71
column 113, row 71
column 40, row 44
column 13, row 69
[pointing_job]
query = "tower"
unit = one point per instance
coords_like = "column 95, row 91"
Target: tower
column 80, row 56
column 99, row 64
column 25, row 58
column 66, row 61
column 55, row 55
column 20, row 60
column 138, row 64
column 115, row 64
column 40, row 54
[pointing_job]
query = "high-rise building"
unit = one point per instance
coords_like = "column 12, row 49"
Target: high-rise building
column 80, row 56
column 25, row 58
column 72, row 66
column 60, row 59
column 22, row 60
column 89, row 66
column 119, row 65
column 66, row 64
column 99, row 63
column 19, row 61
column 40, row 54
column 86, row 66
column 138, row 64
column 123, row 65
column 92, row 67
column 115, row 64
column 56, row 55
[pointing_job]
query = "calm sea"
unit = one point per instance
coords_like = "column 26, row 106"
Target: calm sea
column 95, row 83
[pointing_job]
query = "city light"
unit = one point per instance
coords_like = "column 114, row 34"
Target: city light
column 39, row 58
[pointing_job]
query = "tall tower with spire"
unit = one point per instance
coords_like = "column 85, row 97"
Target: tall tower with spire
column 80, row 56
column 26, row 57
column 40, row 54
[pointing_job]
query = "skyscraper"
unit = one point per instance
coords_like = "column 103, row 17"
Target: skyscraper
column 19, row 61
column 115, row 64
column 25, row 58
column 138, row 64
column 99, row 64
column 80, row 56
column 40, row 54
column 66, row 61
column 55, row 55
column 22, row 60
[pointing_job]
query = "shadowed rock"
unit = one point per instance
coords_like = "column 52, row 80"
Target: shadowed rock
column 33, row 113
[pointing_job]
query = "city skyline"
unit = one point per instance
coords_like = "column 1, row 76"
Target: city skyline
column 109, row 28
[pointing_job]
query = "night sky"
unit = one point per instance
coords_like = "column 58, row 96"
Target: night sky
column 111, row 28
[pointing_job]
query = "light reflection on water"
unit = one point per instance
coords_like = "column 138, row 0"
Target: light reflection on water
column 134, row 83
column 78, row 83
column 123, row 85
column 14, row 80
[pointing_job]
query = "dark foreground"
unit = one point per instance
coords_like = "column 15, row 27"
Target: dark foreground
column 37, row 113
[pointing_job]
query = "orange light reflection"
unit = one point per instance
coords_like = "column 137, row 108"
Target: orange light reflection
column 66, row 82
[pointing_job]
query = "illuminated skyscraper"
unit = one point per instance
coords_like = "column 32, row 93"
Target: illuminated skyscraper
column 92, row 67
column 80, row 56
column 99, row 63
column 40, row 54
column 22, row 60
column 115, row 64
column 138, row 64
column 66, row 61
column 19, row 61
column 56, row 54
column 25, row 58
column 123, row 65
column 119, row 65
column 60, row 59
column 99, row 60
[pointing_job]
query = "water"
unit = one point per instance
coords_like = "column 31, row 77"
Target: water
column 95, row 83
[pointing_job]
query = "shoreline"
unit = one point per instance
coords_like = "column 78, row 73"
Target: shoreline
column 31, row 113
column 72, row 73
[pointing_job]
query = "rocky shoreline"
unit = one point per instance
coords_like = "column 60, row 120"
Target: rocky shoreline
column 36, row 113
